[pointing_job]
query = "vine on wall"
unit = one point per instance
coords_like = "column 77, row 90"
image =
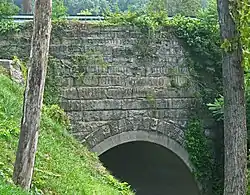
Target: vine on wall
column 52, row 90
column 199, row 153
column 77, row 71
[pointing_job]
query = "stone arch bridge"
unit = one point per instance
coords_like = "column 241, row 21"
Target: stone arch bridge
column 129, row 97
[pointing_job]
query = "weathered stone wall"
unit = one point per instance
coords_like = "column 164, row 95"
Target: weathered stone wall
column 117, row 79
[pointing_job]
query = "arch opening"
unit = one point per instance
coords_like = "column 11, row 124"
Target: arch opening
column 150, row 169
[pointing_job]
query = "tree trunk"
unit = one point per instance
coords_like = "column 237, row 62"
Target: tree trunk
column 37, row 68
column 235, row 131
column 27, row 6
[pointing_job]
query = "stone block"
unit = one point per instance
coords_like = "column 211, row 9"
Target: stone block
column 13, row 69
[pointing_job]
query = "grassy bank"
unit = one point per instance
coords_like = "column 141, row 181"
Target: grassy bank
column 63, row 166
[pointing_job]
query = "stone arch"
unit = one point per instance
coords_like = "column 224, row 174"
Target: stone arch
column 135, row 125
column 153, row 137
column 160, row 140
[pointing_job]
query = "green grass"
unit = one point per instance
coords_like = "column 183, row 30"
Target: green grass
column 8, row 189
column 63, row 166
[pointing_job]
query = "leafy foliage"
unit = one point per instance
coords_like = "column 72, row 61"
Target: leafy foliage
column 57, row 114
column 59, row 10
column 173, row 7
column 217, row 108
column 197, row 146
column 149, row 20
column 8, row 26
column 93, row 6
column 7, row 9
column 23, row 66
column 245, row 31
column 183, row 7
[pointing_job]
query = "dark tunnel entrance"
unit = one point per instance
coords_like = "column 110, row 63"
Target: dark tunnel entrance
column 150, row 169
